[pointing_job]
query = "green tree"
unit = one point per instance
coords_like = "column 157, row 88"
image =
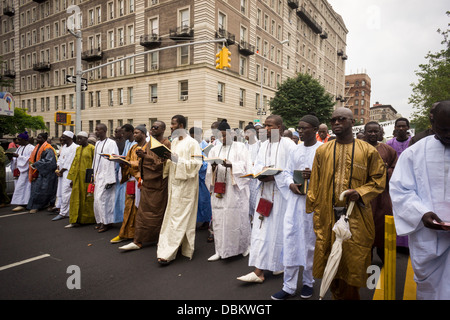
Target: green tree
column 20, row 122
column 433, row 83
column 299, row 96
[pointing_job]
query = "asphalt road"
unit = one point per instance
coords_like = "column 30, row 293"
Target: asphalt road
column 107, row 273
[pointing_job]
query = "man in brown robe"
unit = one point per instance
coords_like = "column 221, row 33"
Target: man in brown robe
column 153, row 192
column 330, row 176
column 130, row 176
column 382, row 204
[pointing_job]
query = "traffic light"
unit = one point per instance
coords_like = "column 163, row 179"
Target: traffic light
column 223, row 58
column 64, row 118
column 219, row 60
column 226, row 58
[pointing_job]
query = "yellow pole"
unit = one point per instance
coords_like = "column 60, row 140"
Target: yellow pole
column 390, row 255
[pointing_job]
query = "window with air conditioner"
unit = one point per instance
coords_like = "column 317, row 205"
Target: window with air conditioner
column 184, row 90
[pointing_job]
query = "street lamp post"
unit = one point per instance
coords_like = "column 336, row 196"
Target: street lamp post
column 76, row 32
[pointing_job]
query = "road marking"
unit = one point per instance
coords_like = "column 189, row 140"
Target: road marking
column 14, row 214
column 23, row 262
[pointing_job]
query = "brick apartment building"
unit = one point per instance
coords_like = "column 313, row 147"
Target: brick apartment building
column 38, row 53
column 357, row 96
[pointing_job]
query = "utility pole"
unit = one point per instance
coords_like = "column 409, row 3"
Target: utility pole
column 76, row 32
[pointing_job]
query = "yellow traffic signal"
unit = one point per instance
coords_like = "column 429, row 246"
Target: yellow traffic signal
column 64, row 118
column 219, row 60
column 226, row 58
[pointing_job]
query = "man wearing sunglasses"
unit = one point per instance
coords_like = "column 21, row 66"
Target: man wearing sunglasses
column 345, row 164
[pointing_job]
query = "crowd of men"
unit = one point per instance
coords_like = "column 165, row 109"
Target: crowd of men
column 282, row 220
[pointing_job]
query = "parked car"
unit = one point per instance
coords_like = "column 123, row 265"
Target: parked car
column 9, row 180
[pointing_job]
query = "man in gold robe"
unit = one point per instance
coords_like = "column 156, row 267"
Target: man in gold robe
column 130, row 178
column 332, row 174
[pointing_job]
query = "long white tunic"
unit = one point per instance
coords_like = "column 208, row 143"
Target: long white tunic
column 420, row 184
column 267, row 237
column 231, row 224
column 64, row 190
column 104, row 173
column 22, row 188
column 253, row 150
column 299, row 236
column 178, row 227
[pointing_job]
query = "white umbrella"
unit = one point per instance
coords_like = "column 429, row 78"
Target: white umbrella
column 342, row 230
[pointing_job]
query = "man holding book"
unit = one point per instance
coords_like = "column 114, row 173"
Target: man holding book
column 104, row 179
column 298, row 232
column 130, row 177
column 153, row 189
column 267, row 231
column 230, row 196
column 178, row 227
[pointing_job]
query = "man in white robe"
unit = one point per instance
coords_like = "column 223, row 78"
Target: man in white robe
column 119, row 207
column 64, row 163
column 299, row 237
column 22, row 186
column 230, row 220
column 267, row 233
column 253, row 145
column 178, row 227
column 104, row 179
column 420, row 193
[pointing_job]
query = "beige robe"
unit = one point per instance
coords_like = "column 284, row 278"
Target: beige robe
column 178, row 228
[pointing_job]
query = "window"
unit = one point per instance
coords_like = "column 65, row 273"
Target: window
column 131, row 66
column 184, row 18
column 242, row 66
column 244, row 7
column 184, row 55
column 221, row 92
column 111, row 10
column 130, row 30
column 154, row 60
column 130, row 95
column 121, row 36
column 111, row 39
column 98, row 98
column 241, row 97
column 91, row 99
column 184, row 90
column 110, row 97
column 153, row 93
column 222, row 21
column 154, row 26
column 120, row 95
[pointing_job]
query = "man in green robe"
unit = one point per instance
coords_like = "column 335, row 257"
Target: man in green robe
column 81, row 202
column 340, row 165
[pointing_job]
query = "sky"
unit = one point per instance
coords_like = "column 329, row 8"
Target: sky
column 388, row 40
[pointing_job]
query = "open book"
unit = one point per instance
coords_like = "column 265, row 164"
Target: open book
column 299, row 180
column 115, row 158
column 263, row 174
column 214, row 160
column 159, row 149
column 206, row 149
